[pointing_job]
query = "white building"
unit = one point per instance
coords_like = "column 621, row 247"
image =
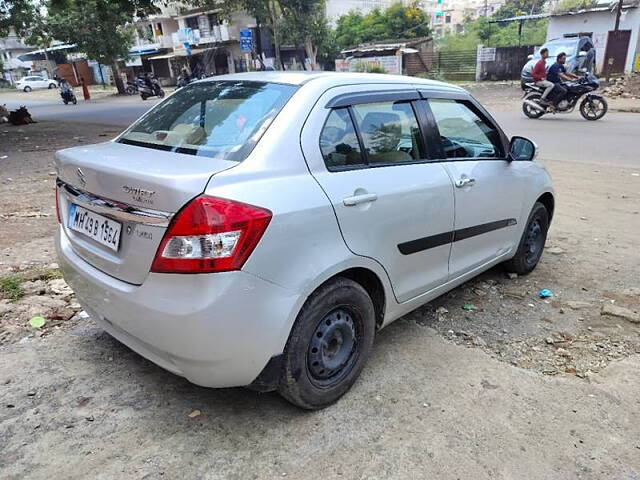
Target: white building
column 180, row 37
column 597, row 22
column 10, row 48
column 449, row 16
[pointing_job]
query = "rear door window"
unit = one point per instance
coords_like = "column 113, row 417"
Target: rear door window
column 463, row 133
column 390, row 132
column 339, row 141
column 212, row 119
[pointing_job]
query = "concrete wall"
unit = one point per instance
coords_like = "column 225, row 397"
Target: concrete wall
column 599, row 23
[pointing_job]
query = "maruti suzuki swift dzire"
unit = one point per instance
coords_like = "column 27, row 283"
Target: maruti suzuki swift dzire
column 258, row 229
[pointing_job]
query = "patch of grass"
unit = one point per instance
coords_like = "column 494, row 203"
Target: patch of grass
column 48, row 274
column 11, row 287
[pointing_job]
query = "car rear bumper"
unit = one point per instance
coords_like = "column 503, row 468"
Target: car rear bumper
column 217, row 330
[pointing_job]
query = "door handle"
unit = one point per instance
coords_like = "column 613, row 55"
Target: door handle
column 360, row 199
column 465, row 182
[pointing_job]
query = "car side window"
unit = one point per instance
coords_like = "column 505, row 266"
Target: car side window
column 463, row 133
column 339, row 142
column 390, row 132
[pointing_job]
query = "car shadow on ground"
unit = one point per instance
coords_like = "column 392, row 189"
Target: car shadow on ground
column 154, row 385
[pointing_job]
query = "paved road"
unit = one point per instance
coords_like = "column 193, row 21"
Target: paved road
column 107, row 111
column 610, row 141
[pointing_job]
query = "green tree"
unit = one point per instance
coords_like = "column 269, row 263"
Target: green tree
column 573, row 5
column 395, row 22
column 102, row 29
column 305, row 23
column 301, row 22
column 484, row 31
column 513, row 8
column 16, row 15
column 266, row 12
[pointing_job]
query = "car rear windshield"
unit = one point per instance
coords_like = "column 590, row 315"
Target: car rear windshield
column 555, row 48
column 211, row 119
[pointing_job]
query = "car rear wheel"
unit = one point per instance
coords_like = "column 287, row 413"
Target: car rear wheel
column 52, row 85
column 329, row 344
column 27, row 89
column 532, row 242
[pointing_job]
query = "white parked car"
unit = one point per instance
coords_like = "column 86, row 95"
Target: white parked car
column 34, row 82
column 258, row 229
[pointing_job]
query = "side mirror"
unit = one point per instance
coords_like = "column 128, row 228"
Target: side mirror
column 530, row 57
column 522, row 149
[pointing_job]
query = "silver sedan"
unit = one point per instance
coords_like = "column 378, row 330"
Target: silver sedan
column 258, row 229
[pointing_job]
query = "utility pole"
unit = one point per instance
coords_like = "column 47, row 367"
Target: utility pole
column 618, row 13
column 486, row 8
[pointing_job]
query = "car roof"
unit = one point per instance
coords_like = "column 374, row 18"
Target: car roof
column 334, row 79
column 565, row 40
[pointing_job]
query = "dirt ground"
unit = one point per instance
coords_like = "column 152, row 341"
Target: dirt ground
column 515, row 387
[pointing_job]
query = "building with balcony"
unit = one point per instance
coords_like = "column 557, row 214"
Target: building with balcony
column 449, row 16
column 197, row 39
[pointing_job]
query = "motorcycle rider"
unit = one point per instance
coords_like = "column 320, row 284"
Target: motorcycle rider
column 184, row 79
column 539, row 74
column 557, row 74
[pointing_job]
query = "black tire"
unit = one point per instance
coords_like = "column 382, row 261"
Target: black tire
column 130, row 90
column 532, row 242
column 27, row 89
column 593, row 108
column 143, row 96
column 66, row 102
column 530, row 111
column 52, row 85
column 161, row 94
column 75, row 100
column 329, row 345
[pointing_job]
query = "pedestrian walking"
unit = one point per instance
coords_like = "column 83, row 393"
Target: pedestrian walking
column 85, row 89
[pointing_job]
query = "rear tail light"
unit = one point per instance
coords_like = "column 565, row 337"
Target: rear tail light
column 211, row 234
column 58, row 206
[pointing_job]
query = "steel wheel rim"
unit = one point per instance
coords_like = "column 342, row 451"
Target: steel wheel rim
column 534, row 241
column 333, row 347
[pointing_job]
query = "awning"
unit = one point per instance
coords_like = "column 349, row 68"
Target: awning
column 39, row 54
column 160, row 57
column 380, row 47
column 182, row 53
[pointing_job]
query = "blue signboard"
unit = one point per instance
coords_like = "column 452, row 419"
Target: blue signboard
column 246, row 40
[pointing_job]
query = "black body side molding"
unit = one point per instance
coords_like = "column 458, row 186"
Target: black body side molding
column 425, row 243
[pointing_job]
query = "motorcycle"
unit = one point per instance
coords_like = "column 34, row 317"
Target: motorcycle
column 149, row 88
column 592, row 107
column 183, row 81
column 68, row 96
column 131, row 88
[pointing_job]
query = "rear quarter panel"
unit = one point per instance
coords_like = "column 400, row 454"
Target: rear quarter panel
column 302, row 246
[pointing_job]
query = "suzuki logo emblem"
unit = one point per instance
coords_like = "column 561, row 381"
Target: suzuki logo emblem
column 80, row 174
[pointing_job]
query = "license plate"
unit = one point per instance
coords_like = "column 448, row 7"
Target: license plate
column 97, row 227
